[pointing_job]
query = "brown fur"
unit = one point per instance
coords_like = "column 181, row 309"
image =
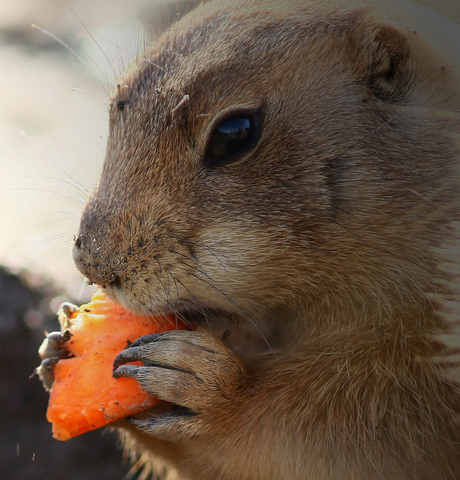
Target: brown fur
column 325, row 251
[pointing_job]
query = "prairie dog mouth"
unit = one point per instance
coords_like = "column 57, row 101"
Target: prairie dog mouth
column 237, row 331
column 191, row 312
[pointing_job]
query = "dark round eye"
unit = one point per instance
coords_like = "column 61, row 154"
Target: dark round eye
column 231, row 138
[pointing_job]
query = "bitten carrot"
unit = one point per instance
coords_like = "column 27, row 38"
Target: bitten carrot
column 84, row 395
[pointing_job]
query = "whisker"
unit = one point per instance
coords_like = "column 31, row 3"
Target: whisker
column 58, row 220
column 332, row 160
column 34, row 157
column 95, row 41
column 164, row 289
column 43, row 190
column 73, row 52
column 135, row 55
column 198, row 303
column 76, row 174
column 420, row 195
column 198, row 267
column 162, row 284
column 175, row 283
column 169, row 286
column 357, row 218
column 154, row 64
column 355, row 180
column 177, row 313
column 72, row 89
column 204, row 247
column 213, row 283
column 134, row 215
column 144, row 255
column 51, row 239
column 67, row 182
column 159, row 264
column 238, row 306
column 225, row 294
column 180, row 317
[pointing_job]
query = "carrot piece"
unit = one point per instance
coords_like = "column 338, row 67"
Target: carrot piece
column 84, row 395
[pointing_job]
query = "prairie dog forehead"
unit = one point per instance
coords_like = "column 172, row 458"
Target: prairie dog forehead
column 238, row 37
column 177, row 61
column 193, row 76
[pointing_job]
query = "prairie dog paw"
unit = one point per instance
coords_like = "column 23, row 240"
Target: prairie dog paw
column 191, row 370
column 53, row 348
column 53, row 345
column 51, row 351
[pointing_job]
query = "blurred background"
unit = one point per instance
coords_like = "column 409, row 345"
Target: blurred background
column 59, row 60
column 53, row 128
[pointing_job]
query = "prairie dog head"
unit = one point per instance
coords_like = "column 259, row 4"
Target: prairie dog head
column 262, row 159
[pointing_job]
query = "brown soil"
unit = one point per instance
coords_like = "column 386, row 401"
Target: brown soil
column 27, row 449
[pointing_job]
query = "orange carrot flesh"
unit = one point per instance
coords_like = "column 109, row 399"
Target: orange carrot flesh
column 84, row 395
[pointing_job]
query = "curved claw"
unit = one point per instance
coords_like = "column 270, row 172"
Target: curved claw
column 65, row 313
column 151, row 337
column 126, row 371
column 128, row 355
column 46, row 372
column 68, row 309
column 179, row 423
column 59, row 338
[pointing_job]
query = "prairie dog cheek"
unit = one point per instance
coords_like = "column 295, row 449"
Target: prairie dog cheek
column 234, row 255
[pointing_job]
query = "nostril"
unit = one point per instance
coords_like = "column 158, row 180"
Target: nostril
column 78, row 242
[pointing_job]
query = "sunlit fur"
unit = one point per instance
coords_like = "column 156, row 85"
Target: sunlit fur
column 328, row 250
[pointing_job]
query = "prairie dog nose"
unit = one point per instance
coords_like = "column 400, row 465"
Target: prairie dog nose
column 92, row 261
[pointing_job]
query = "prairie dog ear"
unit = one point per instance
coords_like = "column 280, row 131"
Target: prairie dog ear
column 388, row 67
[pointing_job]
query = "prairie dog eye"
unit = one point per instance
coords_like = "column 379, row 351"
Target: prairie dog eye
column 232, row 137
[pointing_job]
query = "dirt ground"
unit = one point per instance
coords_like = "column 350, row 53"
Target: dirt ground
column 27, row 449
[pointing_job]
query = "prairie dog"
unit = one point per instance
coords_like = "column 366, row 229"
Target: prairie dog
column 285, row 176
